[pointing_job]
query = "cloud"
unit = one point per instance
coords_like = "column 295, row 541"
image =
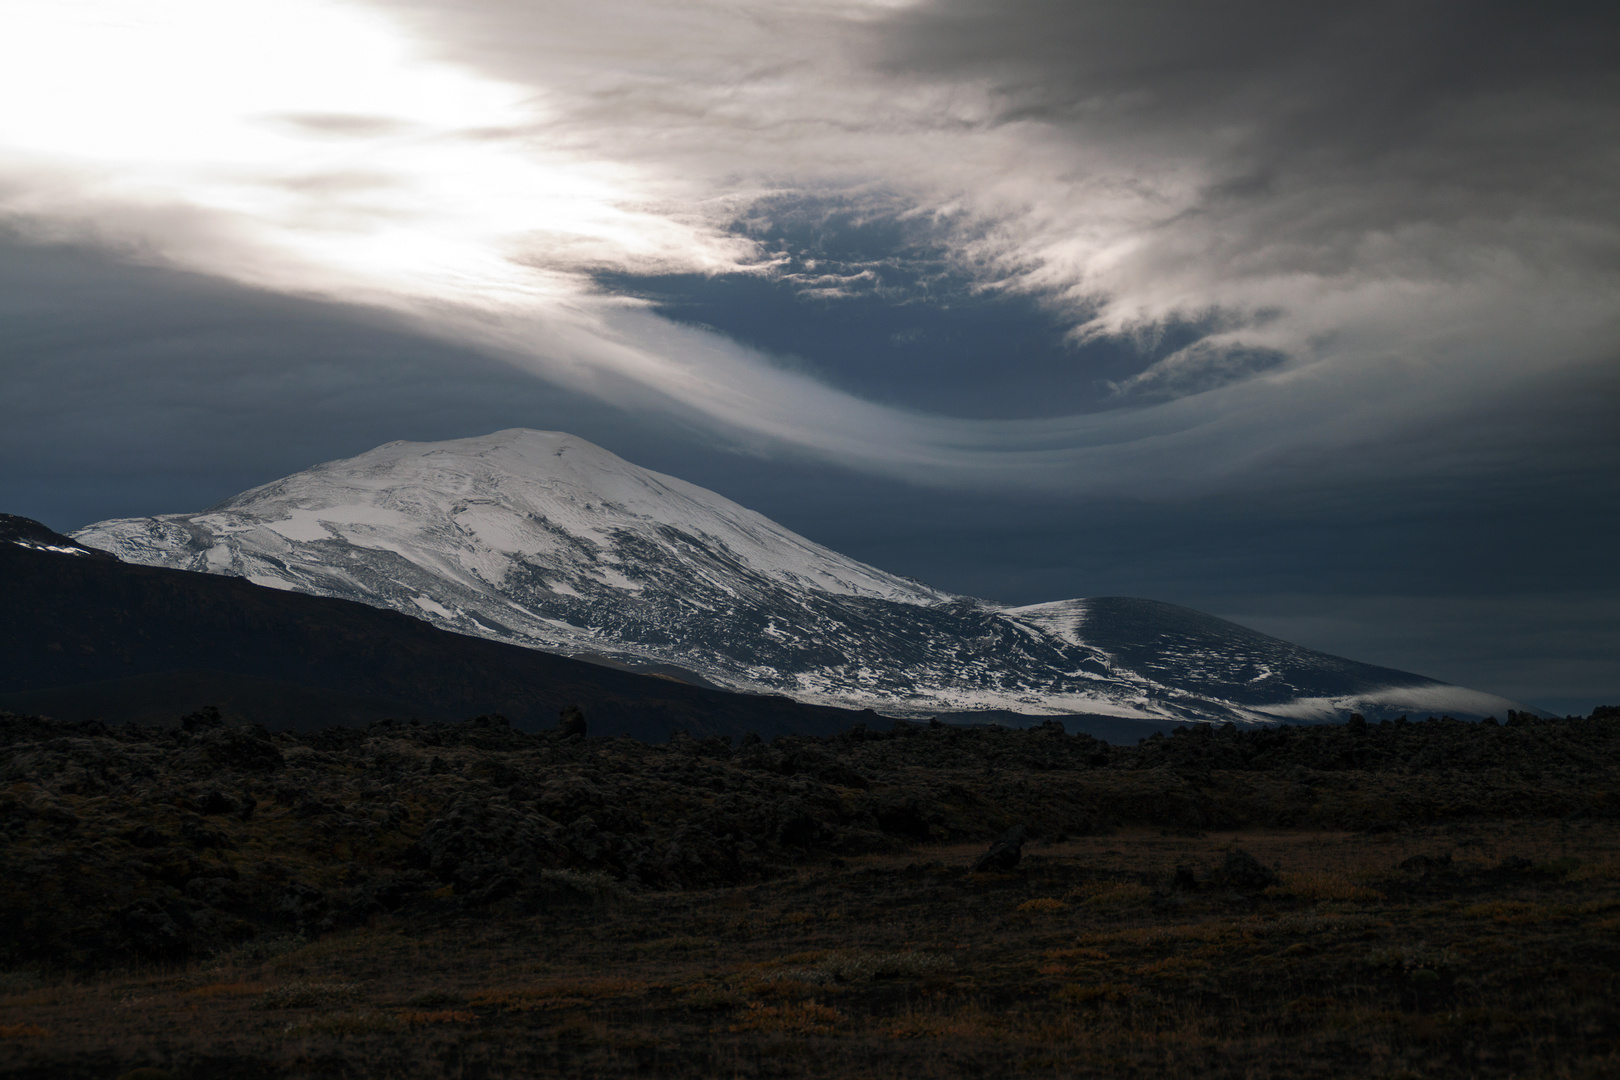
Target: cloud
column 1550, row 648
column 344, row 125
column 1204, row 365
column 1389, row 215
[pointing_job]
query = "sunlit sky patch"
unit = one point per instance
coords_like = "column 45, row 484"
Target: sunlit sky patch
column 315, row 145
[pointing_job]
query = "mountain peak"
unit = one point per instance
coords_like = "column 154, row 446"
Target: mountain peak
column 543, row 539
column 528, row 443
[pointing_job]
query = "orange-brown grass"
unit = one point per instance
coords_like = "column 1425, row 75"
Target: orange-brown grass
column 970, row 1023
column 1111, row 894
column 799, row 1018
column 785, row 989
column 1171, row 967
column 221, row 990
column 1075, row 954
column 1511, row 912
column 1174, row 933
column 567, row 994
column 22, row 1031
column 45, row 996
column 436, row 1016
column 1604, row 870
column 1042, row 905
column 1081, row 993
column 346, row 1023
column 1320, row 885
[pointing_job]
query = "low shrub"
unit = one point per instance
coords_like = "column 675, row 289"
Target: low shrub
column 1507, row 911
column 438, row 1016
column 797, row 1018
column 1607, row 870
column 676, row 945
column 16, row 982
column 441, row 998
column 1085, row 993
column 224, row 990
column 568, row 994
column 593, row 884
column 1171, row 967
column 1043, row 905
column 1410, row 958
column 1074, row 954
column 257, row 951
column 1111, row 894
column 1314, row 885
column 853, row 967
column 360, row 1023
column 788, row 985
column 306, row 995
column 707, row 996
column 967, row 1024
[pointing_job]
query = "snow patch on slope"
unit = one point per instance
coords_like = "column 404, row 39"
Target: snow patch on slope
column 545, row 540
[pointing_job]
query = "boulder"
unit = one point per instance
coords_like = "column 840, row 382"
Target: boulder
column 1004, row 854
column 571, row 722
column 1245, row 873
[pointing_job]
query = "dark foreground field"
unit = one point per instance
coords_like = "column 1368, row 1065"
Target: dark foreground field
column 464, row 901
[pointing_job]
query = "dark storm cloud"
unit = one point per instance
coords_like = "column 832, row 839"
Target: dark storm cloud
column 1485, row 98
column 1419, row 139
column 1414, row 137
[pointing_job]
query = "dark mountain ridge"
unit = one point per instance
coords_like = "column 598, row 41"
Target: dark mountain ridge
column 86, row 636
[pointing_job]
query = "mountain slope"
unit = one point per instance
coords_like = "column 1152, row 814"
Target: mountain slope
column 94, row 637
column 545, row 540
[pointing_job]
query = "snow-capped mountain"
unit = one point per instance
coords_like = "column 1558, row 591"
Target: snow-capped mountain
column 545, row 540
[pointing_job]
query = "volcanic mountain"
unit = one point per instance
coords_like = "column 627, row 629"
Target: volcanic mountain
column 87, row 637
column 544, row 540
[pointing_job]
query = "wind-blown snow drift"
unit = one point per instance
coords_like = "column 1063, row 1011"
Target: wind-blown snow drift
column 545, row 540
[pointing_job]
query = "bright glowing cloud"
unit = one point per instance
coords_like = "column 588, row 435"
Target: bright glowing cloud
column 316, row 149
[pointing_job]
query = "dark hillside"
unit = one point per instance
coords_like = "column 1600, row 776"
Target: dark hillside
column 89, row 637
column 1165, row 642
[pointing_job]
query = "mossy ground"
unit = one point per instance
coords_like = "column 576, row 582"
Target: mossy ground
column 1424, row 900
column 1501, row 962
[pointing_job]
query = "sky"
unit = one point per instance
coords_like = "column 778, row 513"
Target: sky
column 1306, row 315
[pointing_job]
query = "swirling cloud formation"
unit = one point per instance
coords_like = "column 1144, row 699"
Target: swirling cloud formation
column 1331, row 236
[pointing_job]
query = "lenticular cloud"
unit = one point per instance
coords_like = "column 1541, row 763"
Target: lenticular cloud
column 472, row 168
